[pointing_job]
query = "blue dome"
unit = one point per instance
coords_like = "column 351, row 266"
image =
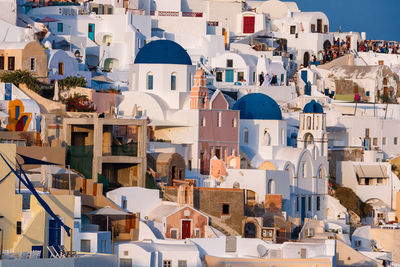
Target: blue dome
column 258, row 107
column 313, row 107
column 163, row 52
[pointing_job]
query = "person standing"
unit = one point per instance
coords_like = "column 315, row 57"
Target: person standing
column 261, row 78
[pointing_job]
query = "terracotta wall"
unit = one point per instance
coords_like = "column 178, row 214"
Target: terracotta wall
column 175, row 221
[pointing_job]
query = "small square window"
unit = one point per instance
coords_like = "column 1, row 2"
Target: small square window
column 312, row 27
column 218, row 76
column 383, row 141
column 229, row 63
column 293, row 29
column 167, row 263
column 225, row 209
column 197, row 233
column 182, row 263
column 395, row 141
column 174, row 233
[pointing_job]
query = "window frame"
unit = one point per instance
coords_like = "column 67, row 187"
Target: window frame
column 61, row 67
column 33, row 59
column 229, row 63
column 150, row 81
column 173, row 81
column 222, row 209
column 167, row 263
column 60, row 27
column 2, row 61
column 11, row 66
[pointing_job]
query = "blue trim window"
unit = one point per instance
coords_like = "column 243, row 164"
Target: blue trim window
column 173, row 81
column 149, row 81
column 60, row 27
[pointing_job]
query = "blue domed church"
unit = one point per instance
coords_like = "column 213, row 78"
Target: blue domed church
column 263, row 146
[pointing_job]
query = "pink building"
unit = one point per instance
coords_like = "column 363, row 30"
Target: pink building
column 218, row 126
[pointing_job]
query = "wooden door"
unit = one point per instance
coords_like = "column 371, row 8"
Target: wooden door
column 248, row 24
column 186, row 229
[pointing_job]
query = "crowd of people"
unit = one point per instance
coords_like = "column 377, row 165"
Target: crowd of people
column 379, row 47
column 338, row 49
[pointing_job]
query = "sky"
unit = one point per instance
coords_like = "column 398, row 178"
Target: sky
column 380, row 19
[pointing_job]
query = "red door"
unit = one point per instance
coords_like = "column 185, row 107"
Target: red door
column 185, row 229
column 248, row 24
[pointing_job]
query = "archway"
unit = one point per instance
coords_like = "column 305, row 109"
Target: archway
column 271, row 186
column 306, row 59
column 250, row 230
column 327, row 44
column 308, row 140
column 110, row 64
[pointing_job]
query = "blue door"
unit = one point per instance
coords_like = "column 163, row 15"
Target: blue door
column 308, row 89
column 91, row 31
column 54, row 235
column 304, row 76
column 229, row 76
column 303, row 209
column 367, row 144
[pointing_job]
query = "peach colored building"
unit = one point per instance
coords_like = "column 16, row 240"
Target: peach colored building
column 180, row 222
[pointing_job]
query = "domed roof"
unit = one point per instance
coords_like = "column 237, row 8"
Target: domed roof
column 313, row 107
column 163, row 52
column 258, row 107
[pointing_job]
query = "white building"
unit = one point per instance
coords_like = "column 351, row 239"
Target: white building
column 159, row 253
column 263, row 139
column 136, row 199
column 112, row 40
column 62, row 64
column 370, row 181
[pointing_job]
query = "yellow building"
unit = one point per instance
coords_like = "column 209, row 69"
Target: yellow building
column 26, row 226
column 28, row 56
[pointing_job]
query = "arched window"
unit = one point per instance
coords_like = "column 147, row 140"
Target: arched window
column 245, row 136
column 150, row 81
column 173, row 81
column 308, row 140
column 304, row 169
column 320, row 173
column 234, row 123
column 271, row 186
column 308, row 123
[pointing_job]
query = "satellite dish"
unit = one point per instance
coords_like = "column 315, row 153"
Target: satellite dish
column 262, row 251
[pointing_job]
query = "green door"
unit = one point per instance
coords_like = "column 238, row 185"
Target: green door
column 229, row 76
column 91, row 31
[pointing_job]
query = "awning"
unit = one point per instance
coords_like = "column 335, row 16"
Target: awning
column 371, row 171
column 102, row 79
column 108, row 211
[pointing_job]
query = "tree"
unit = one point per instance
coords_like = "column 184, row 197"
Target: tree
column 71, row 82
column 21, row 77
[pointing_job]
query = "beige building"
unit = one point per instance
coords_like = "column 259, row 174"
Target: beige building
column 27, row 56
column 25, row 224
column 114, row 148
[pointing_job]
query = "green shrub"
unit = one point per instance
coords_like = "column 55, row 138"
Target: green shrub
column 71, row 82
column 21, row 77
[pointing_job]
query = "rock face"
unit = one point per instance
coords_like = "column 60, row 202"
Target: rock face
column 354, row 218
